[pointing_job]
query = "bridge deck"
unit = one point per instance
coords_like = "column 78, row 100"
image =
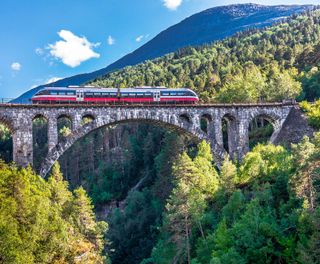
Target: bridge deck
column 215, row 105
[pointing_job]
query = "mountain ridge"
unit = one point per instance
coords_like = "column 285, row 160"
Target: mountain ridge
column 204, row 27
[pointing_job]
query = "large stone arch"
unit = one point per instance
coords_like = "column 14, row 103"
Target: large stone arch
column 171, row 123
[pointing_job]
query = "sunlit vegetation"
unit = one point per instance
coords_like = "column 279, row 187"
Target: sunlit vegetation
column 43, row 222
column 266, row 210
column 64, row 127
column 312, row 111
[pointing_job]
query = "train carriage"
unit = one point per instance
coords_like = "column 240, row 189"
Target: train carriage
column 138, row 95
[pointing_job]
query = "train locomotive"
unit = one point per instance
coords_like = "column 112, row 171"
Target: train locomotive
column 93, row 95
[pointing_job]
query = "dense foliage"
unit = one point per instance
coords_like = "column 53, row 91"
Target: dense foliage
column 264, row 211
column 127, row 172
column 312, row 111
column 270, row 65
column 43, row 222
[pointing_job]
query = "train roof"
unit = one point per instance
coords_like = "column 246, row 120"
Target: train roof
column 100, row 89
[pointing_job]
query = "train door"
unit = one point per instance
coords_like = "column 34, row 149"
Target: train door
column 156, row 96
column 80, row 96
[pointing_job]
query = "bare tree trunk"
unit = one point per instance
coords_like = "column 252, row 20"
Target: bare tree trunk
column 202, row 233
column 187, row 235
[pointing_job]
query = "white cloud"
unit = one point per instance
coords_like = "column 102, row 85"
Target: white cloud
column 139, row 38
column 53, row 79
column 73, row 50
column 16, row 66
column 111, row 40
column 172, row 4
column 39, row 51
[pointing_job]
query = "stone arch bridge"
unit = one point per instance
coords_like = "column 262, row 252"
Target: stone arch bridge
column 184, row 118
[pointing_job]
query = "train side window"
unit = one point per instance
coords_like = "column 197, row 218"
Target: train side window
column 165, row 94
column 70, row 93
column 113, row 94
column 148, row 95
column 54, row 93
column 173, row 93
column 124, row 95
column 89, row 94
column 181, row 93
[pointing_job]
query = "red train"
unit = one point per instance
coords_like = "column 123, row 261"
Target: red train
column 74, row 94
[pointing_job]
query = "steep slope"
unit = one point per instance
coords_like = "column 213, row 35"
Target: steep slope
column 205, row 27
column 269, row 64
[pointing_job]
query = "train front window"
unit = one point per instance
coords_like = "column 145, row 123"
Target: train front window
column 45, row 92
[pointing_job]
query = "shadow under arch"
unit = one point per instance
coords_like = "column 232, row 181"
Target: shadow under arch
column 40, row 128
column 87, row 118
column 64, row 126
column 205, row 121
column 263, row 128
column 82, row 131
column 6, row 140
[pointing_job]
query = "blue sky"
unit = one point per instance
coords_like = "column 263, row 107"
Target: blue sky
column 45, row 40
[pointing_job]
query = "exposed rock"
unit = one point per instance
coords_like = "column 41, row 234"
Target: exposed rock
column 294, row 128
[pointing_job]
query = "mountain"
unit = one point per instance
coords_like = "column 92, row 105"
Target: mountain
column 272, row 64
column 204, row 27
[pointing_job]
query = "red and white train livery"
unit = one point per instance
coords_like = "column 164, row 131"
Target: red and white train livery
column 73, row 94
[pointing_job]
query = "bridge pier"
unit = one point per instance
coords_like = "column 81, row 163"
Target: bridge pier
column 52, row 133
column 243, row 138
column 23, row 146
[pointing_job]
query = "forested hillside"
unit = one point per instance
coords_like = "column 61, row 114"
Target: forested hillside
column 272, row 64
column 266, row 210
